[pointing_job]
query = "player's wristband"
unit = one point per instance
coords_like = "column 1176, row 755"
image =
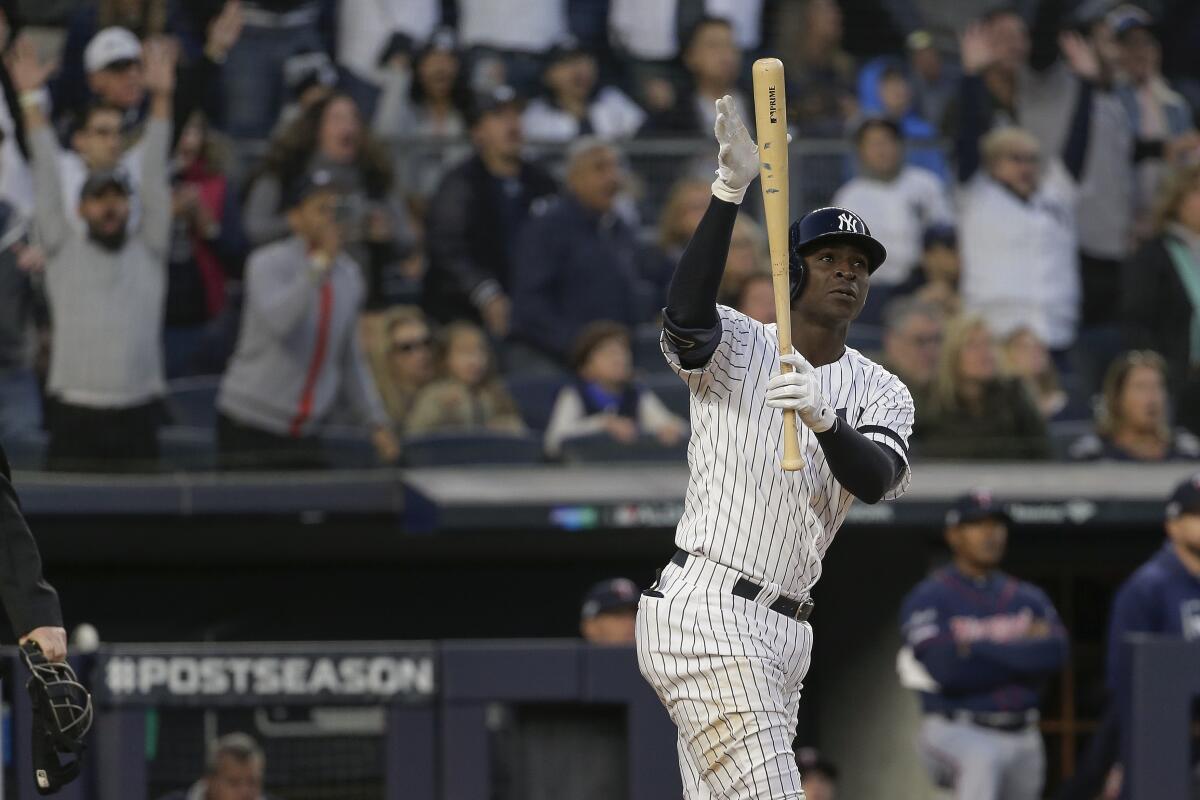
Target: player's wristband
column 823, row 420
column 723, row 192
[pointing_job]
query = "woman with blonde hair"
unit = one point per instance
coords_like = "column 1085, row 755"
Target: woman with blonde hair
column 1133, row 418
column 1161, row 292
column 400, row 344
column 975, row 412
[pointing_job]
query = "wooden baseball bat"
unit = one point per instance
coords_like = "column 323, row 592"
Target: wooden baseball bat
column 770, row 114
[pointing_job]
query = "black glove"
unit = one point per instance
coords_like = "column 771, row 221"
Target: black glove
column 62, row 715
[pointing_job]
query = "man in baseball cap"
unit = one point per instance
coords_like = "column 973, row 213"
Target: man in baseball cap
column 475, row 214
column 609, row 612
column 979, row 735
column 1163, row 595
column 113, row 60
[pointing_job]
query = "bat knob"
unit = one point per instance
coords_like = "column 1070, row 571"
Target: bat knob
column 793, row 464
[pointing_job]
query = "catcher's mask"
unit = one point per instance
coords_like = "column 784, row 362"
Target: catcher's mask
column 62, row 715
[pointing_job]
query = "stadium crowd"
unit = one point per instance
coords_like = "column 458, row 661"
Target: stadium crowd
column 266, row 223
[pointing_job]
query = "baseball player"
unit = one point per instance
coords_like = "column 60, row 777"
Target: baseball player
column 723, row 635
column 979, row 645
column 1161, row 597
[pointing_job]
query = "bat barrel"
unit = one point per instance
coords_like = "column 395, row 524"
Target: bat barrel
column 770, row 116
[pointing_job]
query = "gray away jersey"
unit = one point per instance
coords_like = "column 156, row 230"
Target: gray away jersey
column 741, row 509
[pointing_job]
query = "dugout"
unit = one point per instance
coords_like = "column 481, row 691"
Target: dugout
column 483, row 553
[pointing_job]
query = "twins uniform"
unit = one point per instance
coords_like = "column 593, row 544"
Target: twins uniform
column 723, row 635
column 981, row 674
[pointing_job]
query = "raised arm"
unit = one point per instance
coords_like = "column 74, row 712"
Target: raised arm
column 160, row 57
column 690, row 318
column 392, row 112
column 280, row 292
column 29, row 75
column 1086, row 66
column 977, row 56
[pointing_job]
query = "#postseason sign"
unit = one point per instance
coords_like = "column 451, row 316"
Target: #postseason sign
column 211, row 675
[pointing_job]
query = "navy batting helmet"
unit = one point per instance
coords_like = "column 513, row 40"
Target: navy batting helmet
column 824, row 226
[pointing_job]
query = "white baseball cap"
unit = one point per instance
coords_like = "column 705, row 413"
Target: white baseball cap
column 110, row 46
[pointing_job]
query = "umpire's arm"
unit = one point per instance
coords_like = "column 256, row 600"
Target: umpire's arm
column 31, row 603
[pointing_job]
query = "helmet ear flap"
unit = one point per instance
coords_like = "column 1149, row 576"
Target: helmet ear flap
column 797, row 274
column 796, row 269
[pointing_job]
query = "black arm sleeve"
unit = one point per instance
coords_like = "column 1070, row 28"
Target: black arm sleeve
column 193, row 89
column 690, row 318
column 972, row 99
column 865, row 468
column 28, row 599
column 1075, row 148
column 1043, row 34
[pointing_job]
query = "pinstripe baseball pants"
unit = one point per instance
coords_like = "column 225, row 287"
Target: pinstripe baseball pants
column 729, row 671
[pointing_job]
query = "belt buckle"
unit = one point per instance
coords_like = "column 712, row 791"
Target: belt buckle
column 804, row 609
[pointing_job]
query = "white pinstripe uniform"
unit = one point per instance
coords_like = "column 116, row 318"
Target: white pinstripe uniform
column 729, row 669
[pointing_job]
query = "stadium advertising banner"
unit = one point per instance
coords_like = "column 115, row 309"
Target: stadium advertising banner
column 267, row 674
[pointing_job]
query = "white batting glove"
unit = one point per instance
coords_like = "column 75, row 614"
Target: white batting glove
column 800, row 391
column 737, row 161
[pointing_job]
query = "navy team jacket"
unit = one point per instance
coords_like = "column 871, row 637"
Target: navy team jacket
column 989, row 644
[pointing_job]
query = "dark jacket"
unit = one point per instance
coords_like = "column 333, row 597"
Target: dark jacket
column 1157, row 314
column 961, row 631
column 1008, row 426
column 471, row 232
column 575, row 267
column 29, row 601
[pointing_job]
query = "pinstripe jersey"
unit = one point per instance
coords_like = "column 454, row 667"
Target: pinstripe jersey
column 741, row 509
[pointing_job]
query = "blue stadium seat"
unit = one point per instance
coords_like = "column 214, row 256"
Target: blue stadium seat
column 27, row 450
column 448, row 449
column 193, row 401
column 187, row 448
column 1065, row 433
column 348, row 448
column 647, row 354
column 602, row 448
column 671, row 390
column 535, row 396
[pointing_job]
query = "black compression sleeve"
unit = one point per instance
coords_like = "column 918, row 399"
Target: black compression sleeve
column 867, row 469
column 690, row 317
column 1075, row 149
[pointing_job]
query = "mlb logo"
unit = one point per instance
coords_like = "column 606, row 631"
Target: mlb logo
column 1189, row 618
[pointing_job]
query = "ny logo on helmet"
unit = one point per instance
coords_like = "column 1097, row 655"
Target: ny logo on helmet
column 848, row 222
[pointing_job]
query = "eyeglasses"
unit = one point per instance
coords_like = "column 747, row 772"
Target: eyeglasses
column 415, row 344
column 928, row 340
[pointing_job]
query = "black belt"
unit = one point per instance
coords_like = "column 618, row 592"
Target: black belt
column 799, row 610
column 1003, row 722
